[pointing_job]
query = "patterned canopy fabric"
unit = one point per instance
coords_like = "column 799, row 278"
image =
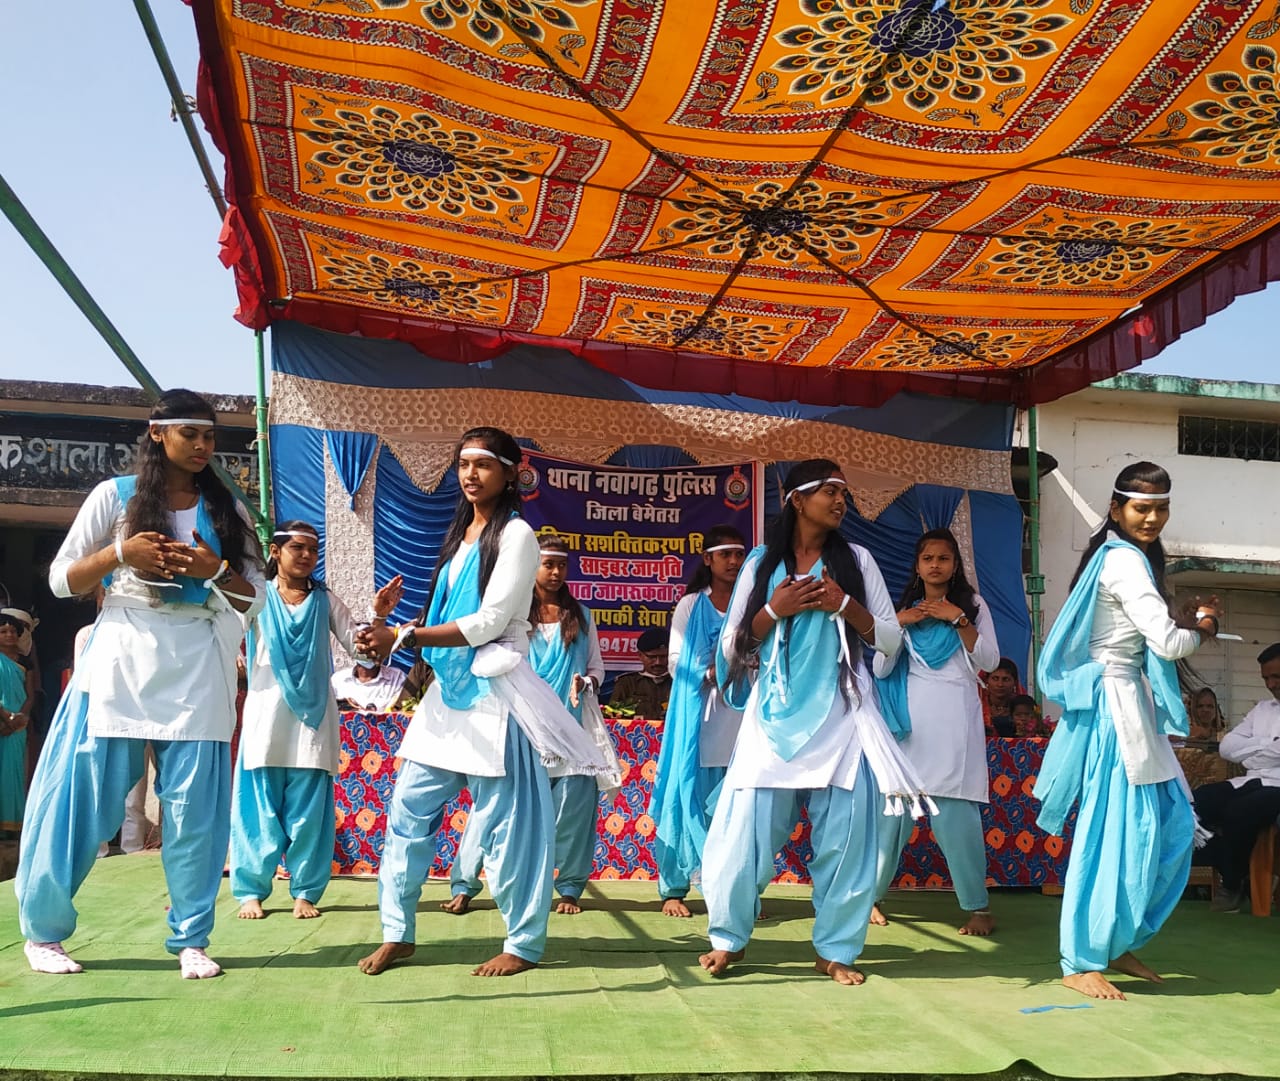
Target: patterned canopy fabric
column 828, row 200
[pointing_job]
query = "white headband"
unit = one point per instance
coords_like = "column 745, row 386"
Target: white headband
column 551, row 553
column 480, row 452
column 814, row 484
column 294, row 533
column 203, row 422
column 725, row 548
column 1153, row 496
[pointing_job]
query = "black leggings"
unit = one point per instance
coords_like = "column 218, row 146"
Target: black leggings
column 1236, row 816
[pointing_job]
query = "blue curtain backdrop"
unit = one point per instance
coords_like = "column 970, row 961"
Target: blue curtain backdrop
column 410, row 524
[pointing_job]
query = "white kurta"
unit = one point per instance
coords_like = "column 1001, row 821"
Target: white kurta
column 473, row 741
column 720, row 721
column 1130, row 615
column 1255, row 744
column 595, row 669
column 379, row 694
column 948, row 745
column 270, row 733
column 832, row 756
column 153, row 670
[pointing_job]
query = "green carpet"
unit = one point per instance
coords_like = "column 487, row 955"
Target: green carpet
column 621, row 994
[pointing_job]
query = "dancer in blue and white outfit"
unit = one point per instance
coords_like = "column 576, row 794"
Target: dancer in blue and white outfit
column 282, row 799
column 486, row 723
column 1109, row 662
column 929, row 697
column 564, row 650
column 179, row 559
column 701, row 727
column 809, row 603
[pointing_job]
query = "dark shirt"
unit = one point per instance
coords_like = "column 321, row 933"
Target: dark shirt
column 648, row 696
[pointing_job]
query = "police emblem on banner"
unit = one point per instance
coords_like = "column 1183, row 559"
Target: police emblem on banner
column 737, row 489
column 528, row 479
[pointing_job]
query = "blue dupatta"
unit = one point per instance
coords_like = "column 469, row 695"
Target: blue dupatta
column 184, row 589
column 460, row 688
column 934, row 642
column 558, row 664
column 13, row 685
column 799, row 667
column 297, row 641
column 1068, row 675
column 677, row 803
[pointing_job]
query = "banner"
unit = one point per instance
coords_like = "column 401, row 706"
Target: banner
column 635, row 535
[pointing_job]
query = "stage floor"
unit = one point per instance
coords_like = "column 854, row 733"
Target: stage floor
column 620, row 994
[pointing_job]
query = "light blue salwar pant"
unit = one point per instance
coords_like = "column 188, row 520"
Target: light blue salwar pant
column 280, row 811
column 77, row 801
column 575, row 802
column 673, row 880
column 513, row 826
column 1130, row 859
column 957, row 827
column 752, row 824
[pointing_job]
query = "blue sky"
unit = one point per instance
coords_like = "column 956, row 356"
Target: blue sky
column 93, row 155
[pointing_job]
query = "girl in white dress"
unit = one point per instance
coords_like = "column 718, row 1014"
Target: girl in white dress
column 929, row 696
column 180, row 564
column 282, row 800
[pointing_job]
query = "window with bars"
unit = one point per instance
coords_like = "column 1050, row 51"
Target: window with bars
column 1220, row 437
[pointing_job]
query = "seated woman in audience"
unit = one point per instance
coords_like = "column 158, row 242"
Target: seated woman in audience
column 1207, row 722
column 1002, row 684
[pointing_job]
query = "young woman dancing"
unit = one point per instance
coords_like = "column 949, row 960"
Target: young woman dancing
column 180, row 565
column 282, row 799
column 701, row 727
column 929, row 696
column 1109, row 662
column 486, row 723
column 809, row 602
column 565, row 651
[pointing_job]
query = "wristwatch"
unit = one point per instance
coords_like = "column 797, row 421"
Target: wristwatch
column 961, row 620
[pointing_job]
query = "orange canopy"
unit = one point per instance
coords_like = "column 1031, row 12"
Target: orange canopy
column 823, row 199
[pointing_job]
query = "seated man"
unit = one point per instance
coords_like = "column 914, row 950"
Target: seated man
column 368, row 685
column 648, row 690
column 1237, row 809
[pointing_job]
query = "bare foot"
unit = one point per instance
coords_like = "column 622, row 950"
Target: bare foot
column 457, row 905
column 845, row 974
column 762, row 914
column 980, row 924
column 717, row 962
column 251, row 910
column 878, row 918
column 384, row 957
column 505, row 964
column 304, row 909
column 568, row 906
column 1131, row 966
column 675, row 906
column 1093, row 984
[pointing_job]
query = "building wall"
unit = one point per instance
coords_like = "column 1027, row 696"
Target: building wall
column 1223, row 509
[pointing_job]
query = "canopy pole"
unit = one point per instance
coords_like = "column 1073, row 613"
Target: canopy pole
column 65, row 276
column 181, row 110
column 1035, row 580
column 57, row 266
column 264, row 448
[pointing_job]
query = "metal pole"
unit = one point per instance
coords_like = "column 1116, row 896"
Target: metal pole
column 1035, row 580
column 264, row 450
column 49, row 255
column 180, row 108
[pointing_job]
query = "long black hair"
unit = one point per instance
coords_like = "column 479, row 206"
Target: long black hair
column 148, row 510
column 572, row 617
column 1151, row 476
column 501, row 445
column 717, row 534
column 959, row 591
column 780, row 548
column 281, row 537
